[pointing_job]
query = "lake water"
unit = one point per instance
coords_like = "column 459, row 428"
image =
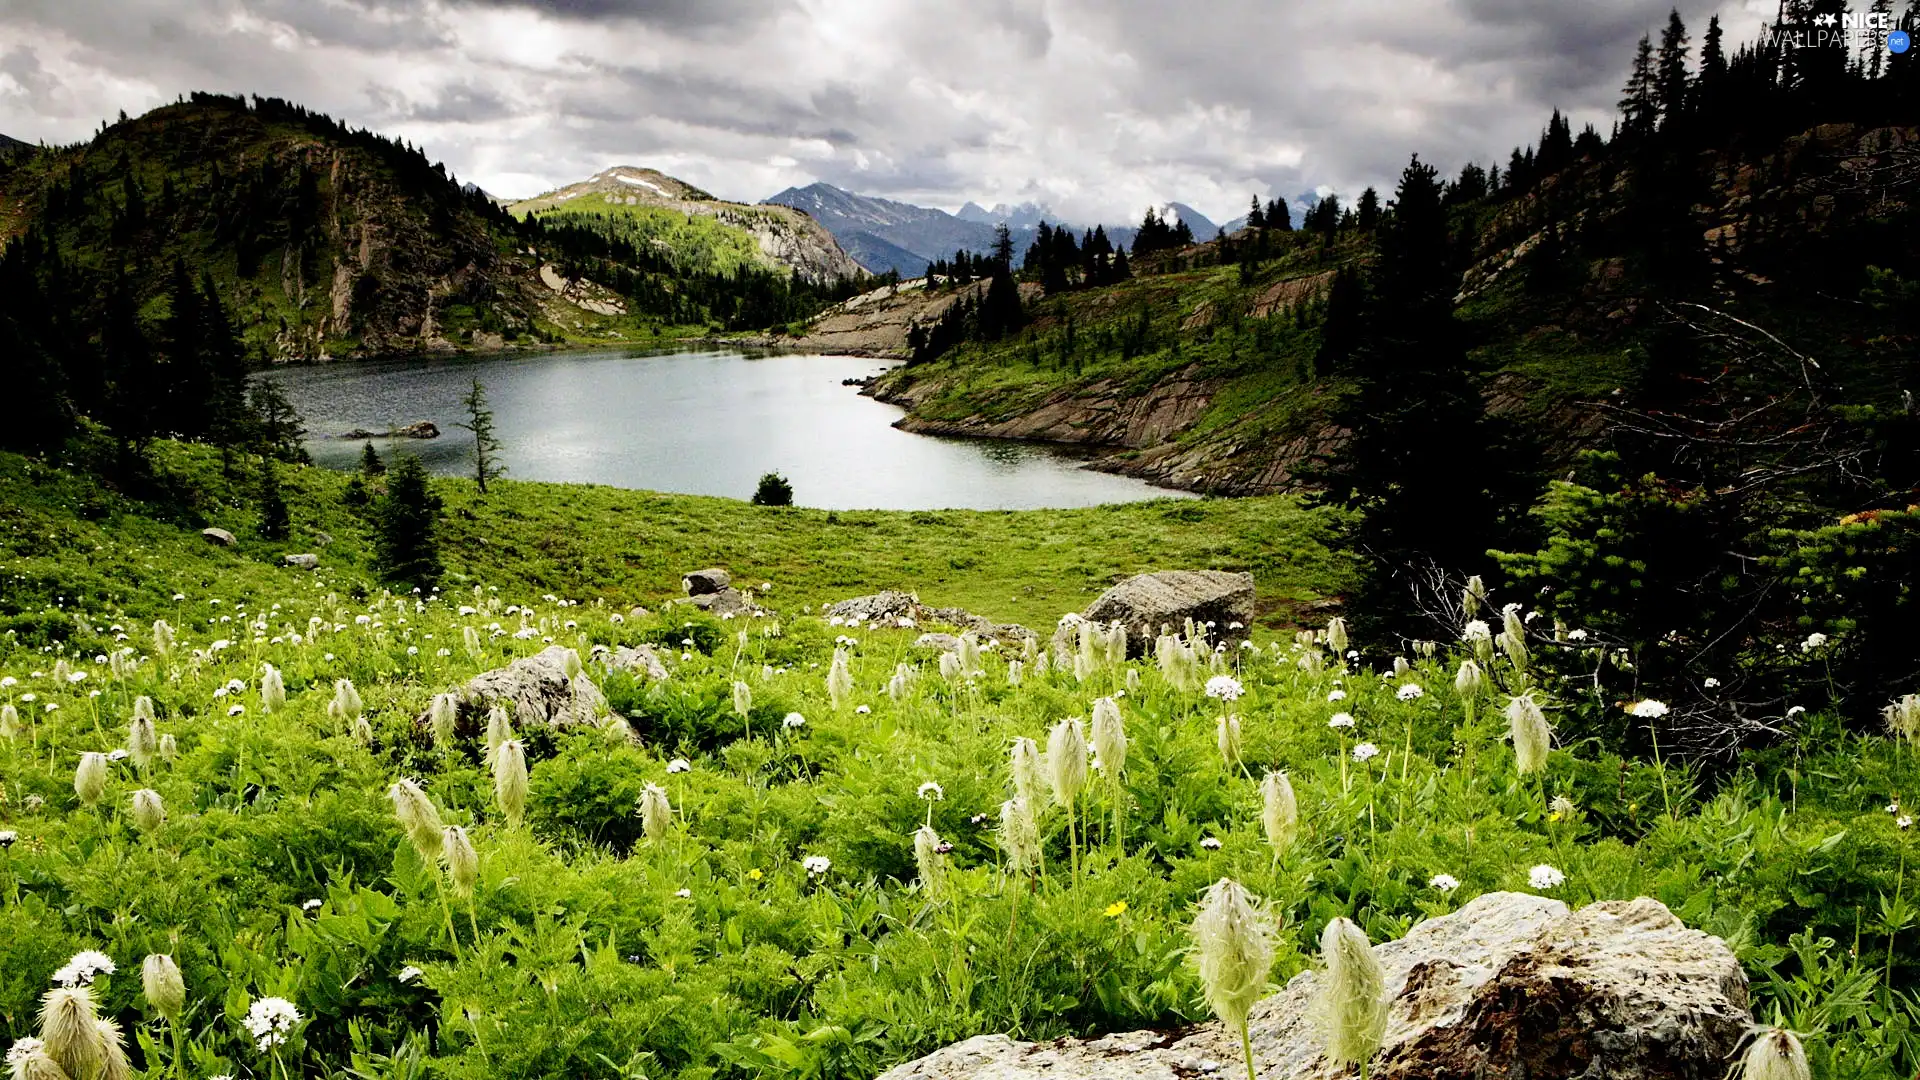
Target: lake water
column 706, row 422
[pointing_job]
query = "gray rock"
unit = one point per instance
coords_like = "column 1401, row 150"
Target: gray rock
column 1146, row 601
column 891, row 605
column 638, row 613
column 727, row 601
column 321, row 538
column 536, row 689
column 937, row 642
column 886, row 609
column 304, row 562
column 705, row 582
column 1511, row 985
column 640, row 659
column 221, row 537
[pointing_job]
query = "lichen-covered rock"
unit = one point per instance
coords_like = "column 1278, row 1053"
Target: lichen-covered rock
column 724, row 602
column 536, row 688
column 1509, row 986
column 218, row 537
column 705, row 582
column 1146, row 602
column 890, row 605
column 640, row 659
column 304, row 561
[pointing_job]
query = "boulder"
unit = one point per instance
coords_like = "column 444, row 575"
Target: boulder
column 1145, row 602
column 637, row 612
column 640, row 659
column 304, row 561
column 937, row 642
column 1511, row 985
column 887, row 609
column 537, row 690
column 220, row 537
column 726, row 602
column 705, row 582
column 891, row 605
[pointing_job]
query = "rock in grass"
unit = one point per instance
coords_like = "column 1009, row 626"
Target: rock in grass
column 218, row 537
column 640, row 659
column 304, row 561
column 1509, row 985
column 705, row 582
column 536, row 691
column 1146, row 602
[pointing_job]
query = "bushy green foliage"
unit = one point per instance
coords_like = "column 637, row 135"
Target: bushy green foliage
column 773, row 490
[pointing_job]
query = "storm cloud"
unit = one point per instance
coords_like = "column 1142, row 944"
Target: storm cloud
column 1096, row 107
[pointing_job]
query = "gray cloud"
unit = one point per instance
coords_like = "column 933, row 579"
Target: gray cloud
column 1098, row 107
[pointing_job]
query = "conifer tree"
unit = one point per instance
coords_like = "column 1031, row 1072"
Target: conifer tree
column 1670, row 74
column 1639, row 104
column 486, row 445
column 275, row 522
column 370, row 463
column 406, row 521
column 1367, row 210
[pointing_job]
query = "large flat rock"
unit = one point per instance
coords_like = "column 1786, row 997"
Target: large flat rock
column 1509, row 986
column 1147, row 602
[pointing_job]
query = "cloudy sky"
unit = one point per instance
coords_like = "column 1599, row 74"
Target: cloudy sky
column 1095, row 107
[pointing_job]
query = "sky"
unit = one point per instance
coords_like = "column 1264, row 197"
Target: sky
column 1096, row 108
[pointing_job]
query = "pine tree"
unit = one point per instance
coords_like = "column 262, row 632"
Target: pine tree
column 486, row 445
column 1367, row 210
column 1279, row 216
column 1256, row 219
column 1639, row 105
column 275, row 521
column 370, row 463
column 1670, row 74
column 406, row 522
column 276, row 421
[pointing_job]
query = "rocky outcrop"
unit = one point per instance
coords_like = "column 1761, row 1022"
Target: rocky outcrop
column 877, row 323
column 904, row 610
column 705, row 582
column 537, row 690
column 1217, row 599
column 218, row 537
column 641, row 660
column 419, row 429
column 304, row 561
column 1510, row 986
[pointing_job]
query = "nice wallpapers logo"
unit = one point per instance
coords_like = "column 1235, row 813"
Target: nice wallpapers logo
column 1851, row 30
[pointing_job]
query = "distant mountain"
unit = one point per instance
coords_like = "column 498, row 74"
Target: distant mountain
column 8, row 146
column 706, row 234
column 1203, row 228
column 1027, row 215
column 879, row 255
column 921, row 231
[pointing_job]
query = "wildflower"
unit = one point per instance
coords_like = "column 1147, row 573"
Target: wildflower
column 1233, row 948
column 417, row 817
column 931, row 791
column 1336, row 695
column 90, row 778
column 742, row 698
column 754, row 874
column 1531, row 736
column 1019, row 835
column 1814, row 641
column 1109, row 737
column 1211, row 843
column 679, row 765
column 1224, row 688
column 1365, row 751
column 1903, row 822
column 1340, row 720
column 269, row 1021
column 1444, row 882
column 1649, row 709
column 839, row 679
column 656, row 812
column 683, row 894
column 273, row 689
column 8, row 838
column 1469, row 680
column 142, row 743
column 793, row 721
column 1066, row 761
column 1479, row 638
column 72, row 1035
column 927, row 858
column 816, row 865
column 1115, row 909
column 149, row 813
column 236, row 710
column 1711, row 683
column 510, row 780
column 1337, row 634
column 1227, row 736
column 1026, row 770
column 1545, row 877
column 1561, row 808
column 1474, row 595
column 1409, row 692
column 82, row 967
column 314, row 904
column 861, row 710
column 1902, row 717
column 408, row 974
column 1775, row 1054
column 443, row 712
column 463, row 863
column 1352, row 1004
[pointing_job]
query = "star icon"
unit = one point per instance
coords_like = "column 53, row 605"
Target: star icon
column 1825, row 18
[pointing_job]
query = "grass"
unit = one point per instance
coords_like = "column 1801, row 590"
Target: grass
column 713, row 952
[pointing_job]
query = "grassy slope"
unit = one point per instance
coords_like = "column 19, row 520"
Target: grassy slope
column 587, row 962
column 67, row 537
column 700, row 243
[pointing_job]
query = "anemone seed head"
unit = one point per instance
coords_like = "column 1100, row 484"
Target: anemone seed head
column 1352, row 999
column 1233, row 948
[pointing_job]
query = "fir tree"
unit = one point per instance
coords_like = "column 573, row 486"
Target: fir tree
column 275, row 522
column 370, row 463
column 486, row 445
column 1670, row 74
column 406, row 521
column 1639, row 103
column 1256, row 218
column 1367, row 210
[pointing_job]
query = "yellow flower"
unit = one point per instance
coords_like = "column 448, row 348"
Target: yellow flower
column 1116, row 909
column 1554, row 816
column 754, row 874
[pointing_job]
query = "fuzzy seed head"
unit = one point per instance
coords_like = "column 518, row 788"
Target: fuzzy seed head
column 1352, row 1001
column 1026, row 769
column 1775, row 1054
column 1042, row 664
column 1279, row 811
column 1469, row 680
column 90, row 778
column 499, row 727
column 1109, row 737
column 162, row 637
column 362, row 731
column 32, row 1063
column 929, row 861
column 1337, row 635
column 1083, row 667
column 1233, row 948
column 143, row 706
column 9, row 722
column 1117, row 644
column 169, row 747
column 347, row 699
column 839, row 679
column 1473, row 596
column 463, row 863
column 1903, row 718
column 570, row 663
column 1019, row 836
column 968, row 653
column 160, row 981
column 1093, row 647
column 1515, row 646
column 510, row 780
column 742, row 698
column 1227, row 737
column 417, row 817
column 470, row 638
column 442, row 715
column 142, row 742
column 149, row 812
column 950, row 666
column 117, row 1066
column 70, row 1033
column 1532, row 738
column 273, row 689
column 1066, row 761
column 1016, row 671
column 656, row 812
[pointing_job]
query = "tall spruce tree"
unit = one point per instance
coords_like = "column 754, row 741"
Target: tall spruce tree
column 406, row 523
column 1671, row 84
column 487, row 465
